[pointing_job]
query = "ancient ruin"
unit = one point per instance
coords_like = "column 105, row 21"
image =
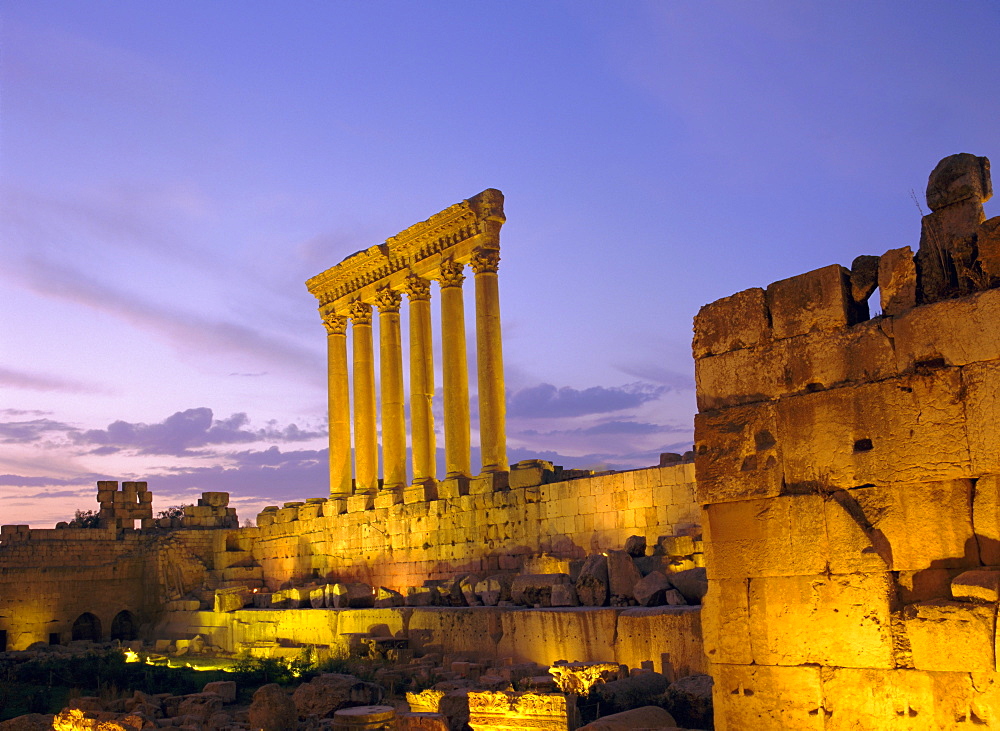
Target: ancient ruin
column 845, row 474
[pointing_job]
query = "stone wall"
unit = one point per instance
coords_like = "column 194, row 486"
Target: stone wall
column 403, row 544
column 850, row 476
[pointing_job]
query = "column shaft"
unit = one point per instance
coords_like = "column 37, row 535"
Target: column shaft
column 365, row 440
column 339, row 404
column 489, row 362
column 457, row 447
column 391, row 372
column 422, row 442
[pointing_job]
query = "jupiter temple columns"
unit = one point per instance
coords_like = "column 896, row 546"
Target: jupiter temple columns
column 464, row 237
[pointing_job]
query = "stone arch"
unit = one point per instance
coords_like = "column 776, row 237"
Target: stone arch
column 87, row 627
column 123, row 626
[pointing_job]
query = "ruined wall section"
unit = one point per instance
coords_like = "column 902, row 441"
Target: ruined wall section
column 404, row 544
column 849, row 472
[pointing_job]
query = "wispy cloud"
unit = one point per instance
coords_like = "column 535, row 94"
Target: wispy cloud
column 547, row 401
column 25, row 432
column 188, row 333
column 27, row 380
column 184, row 431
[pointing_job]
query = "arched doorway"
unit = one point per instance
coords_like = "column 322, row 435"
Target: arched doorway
column 87, row 627
column 123, row 626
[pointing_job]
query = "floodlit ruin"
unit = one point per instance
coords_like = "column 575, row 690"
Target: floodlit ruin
column 829, row 553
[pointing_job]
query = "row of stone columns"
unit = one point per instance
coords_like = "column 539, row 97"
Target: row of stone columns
column 489, row 359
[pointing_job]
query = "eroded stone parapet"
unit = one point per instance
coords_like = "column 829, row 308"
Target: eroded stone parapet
column 897, row 281
column 761, row 697
column 738, row 321
column 957, row 178
column 954, row 332
column 818, row 300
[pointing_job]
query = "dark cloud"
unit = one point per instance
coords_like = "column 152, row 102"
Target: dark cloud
column 184, row 431
column 10, row 378
column 545, row 400
column 24, row 432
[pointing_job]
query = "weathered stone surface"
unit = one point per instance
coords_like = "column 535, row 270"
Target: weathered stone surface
column 954, row 332
column 828, row 620
column 494, row 589
column 754, row 696
column 663, row 636
column 817, row 300
column 988, row 246
column 272, row 709
column 563, row 595
column 592, row 583
column 200, row 705
column 325, row 694
column 864, row 278
column 28, row 722
column 388, row 598
column 225, row 689
column 876, row 433
column 535, row 589
column 651, row 589
column 982, row 409
column 635, row 546
column 946, row 257
column 737, row 454
column 897, row 281
column 978, row 585
column 632, row 692
column 421, row 722
column 689, row 700
column 903, row 527
column 897, row 699
column 783, row 536
column 580, row 677
column 622, row 575
column 986, row 518
column 645, row 717
column 421, row 596
column 957, row 178
column 738, row 321
column 454, row 705
column 951, row 636
column 353, row 595
column 530, row 472
column 692, row 584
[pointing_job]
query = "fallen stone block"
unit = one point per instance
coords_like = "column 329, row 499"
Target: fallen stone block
column 536, row 589
column 225, row 689
column 651, row 589
column 592, row 583
column 622, row 575
column 645, row 717
column 353, row 595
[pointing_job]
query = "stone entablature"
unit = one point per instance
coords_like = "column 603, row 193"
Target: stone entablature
column 465, row 234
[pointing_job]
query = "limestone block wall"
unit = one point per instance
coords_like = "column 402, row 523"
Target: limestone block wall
column 849, row 473
column 403, row 544
column 49, row 578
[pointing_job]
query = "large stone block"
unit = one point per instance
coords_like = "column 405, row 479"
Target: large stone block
column 758, row 697
column 725, row 621
column 841, row 620
column 648, row 634
column 782, row 536
column 951, row 636
column 957, row 178
column 816, row 300
column 738, row 321
column 823, row 360
column 737, row 455
column 903, row 700
column 954, row 332
column 897, row 281
column 907, row 429
column 902, row 527
column 982, row 409
column 741, row 376
column 986, row 518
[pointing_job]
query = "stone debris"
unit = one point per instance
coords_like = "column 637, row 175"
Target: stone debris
column 646, row 717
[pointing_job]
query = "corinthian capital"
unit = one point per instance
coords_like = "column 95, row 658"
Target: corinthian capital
column 450, row 274
column 417, row 288
column 387, row 300
column 335, row 324
column 361, row 314
column 485, row 260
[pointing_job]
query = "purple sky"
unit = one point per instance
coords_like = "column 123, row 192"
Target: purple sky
column 172, row 172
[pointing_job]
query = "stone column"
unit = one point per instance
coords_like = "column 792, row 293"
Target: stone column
column 339, row 403
column 365, row 441
column 456, row 372
column 422, row 441
column 391, row 372
column 489, row 362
